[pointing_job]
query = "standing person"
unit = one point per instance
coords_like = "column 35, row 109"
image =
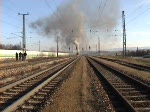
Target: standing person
column 20, row 55
column 25, row 54
column 16, row 56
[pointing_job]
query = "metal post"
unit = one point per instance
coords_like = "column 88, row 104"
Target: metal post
column 98, row 46
column 86, row 49
column 57, row 46
column 20, row 45
column 89, row 50
column 39, row 45
column 96, row 49
column 124, row 34
column 23, row 33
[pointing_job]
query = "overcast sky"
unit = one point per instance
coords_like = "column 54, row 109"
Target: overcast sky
column 137, row 13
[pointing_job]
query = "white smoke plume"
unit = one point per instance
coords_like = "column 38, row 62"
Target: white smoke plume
column 75, row 18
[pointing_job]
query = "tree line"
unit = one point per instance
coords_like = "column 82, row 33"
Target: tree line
column 10, row 47
column 138, row 52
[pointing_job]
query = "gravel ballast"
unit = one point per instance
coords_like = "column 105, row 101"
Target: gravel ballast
column 79, row 93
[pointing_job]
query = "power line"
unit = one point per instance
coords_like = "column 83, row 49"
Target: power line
column 11, row 9
column 98, row 17
column 136, row 9
column 138, row 15
column 103, row 8
column 11, row 16
column 59, row 11
column 17, row 9
column 15, row 5
column 108, row 21
column 99, row 7
column 52, row 10
column 10, row 24
column 127, row 16
column 57, row 7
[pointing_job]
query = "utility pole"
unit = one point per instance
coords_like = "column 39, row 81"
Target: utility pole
column 124, row 34
column 86, row 48
column 72, row 48
column 96, row 49
column 98, row 46
column 23, row 33
column 20, row 45
column 57, row 46
column 39, row 45
column 89, row 49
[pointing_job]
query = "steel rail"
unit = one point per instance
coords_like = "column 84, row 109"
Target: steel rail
column 128, row 64
column 26, row 63
column 123, row 98
column 4, row 81
column 2, row 89
column 137, row 82
column 21, row 100
column 14, row 93
column 124, row 101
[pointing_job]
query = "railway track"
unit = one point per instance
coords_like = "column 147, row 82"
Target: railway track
column 30, row 94
column 36, row 67
column 15, row 64
column 128, row 64
column 126, row 94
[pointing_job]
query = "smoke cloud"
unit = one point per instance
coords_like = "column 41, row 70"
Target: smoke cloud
column 73, row 20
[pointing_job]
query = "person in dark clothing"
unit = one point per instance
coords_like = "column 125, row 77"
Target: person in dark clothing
column 25, row 54
column 20, row 55
column 16, row 56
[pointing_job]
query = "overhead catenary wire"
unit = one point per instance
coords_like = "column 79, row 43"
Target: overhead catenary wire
column 136, row 9
column 10, row 24
column 57, row 8
column 102, row 10
column 127, row 15
column 13, row 9
column 100, row 16
column 84, row 27
column 12, row 16
column 99, row 7
column 17, row 10
column 10, row 9
column 16, row 6
column 52, row 10
column 138, row 16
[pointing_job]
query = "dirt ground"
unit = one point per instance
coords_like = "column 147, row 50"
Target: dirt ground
column 69, row 97
column 76, row 94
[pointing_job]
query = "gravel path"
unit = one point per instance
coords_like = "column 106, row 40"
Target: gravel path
column 77, row 94
column 68, row 98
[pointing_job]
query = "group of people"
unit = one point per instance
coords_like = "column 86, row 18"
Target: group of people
column 22, row 56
